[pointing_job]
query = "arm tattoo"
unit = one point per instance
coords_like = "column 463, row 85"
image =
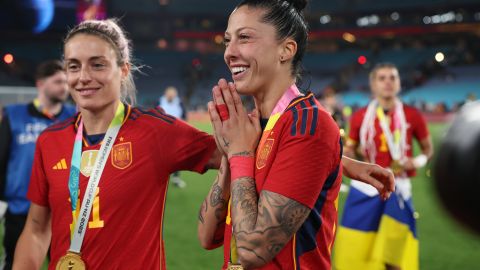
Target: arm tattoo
column 202, row 211
column 216, row 196
column 217, row 201
column 263, row 226
column 243, row 154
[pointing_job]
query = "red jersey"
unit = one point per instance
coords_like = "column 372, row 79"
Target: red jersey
column 125, row 228
column 301, row 160
column 416, row 127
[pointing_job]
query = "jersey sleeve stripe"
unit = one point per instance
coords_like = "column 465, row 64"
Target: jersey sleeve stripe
column 313, row 127
column 156, row 115
column 162, row 113
column 295, row 120
column 304, row 117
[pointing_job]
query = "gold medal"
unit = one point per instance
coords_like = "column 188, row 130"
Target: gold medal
column 71, row 261
column 397, row 168
column 232, row 266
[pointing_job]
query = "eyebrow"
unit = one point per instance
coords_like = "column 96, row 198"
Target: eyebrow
column 93, row 58
column 240, row 29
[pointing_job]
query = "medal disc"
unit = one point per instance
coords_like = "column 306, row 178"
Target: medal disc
column 70, row 261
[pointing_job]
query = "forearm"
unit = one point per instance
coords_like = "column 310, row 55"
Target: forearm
column 263, row 225
column 346, row 163
column 31, row 249
column 427, row 147
column 244, row 211
column 34, row 241
column 212, row 214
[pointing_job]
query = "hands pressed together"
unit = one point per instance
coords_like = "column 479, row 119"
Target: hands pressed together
column 235, row 130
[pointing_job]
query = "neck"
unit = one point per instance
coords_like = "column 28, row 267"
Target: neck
column 387, row 103
column 266, row 100
column 51, row 107
column 97, row 122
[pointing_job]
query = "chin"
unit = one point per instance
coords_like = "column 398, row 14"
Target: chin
column 243, row 89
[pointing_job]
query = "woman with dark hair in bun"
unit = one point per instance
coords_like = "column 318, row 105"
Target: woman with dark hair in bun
column 275, row 205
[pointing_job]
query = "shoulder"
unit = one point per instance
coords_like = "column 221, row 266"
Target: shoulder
column 58, row 131
column 62, row 125
column 360, row 113
column 153, row 115
column 306, row 117
column 12, row 108
column 411, row 110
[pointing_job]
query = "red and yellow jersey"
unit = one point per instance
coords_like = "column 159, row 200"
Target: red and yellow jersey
column 301, row 160
column 416, row 127
column 125, row 226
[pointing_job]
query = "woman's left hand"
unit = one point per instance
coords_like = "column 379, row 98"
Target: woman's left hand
column 240, row 132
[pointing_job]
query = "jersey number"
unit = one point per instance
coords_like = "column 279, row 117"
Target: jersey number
column 95, row 222
column 383, row 143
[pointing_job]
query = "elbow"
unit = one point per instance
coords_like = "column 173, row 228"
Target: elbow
column 204, row 239
column 207, row 242
column 249, row 259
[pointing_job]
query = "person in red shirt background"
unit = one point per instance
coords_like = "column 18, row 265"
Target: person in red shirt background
column 375, row 234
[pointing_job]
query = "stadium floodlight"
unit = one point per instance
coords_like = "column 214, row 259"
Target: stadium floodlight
column 439, row 57
column 8, row 58
column 325, row 19
column 395, row 16
column 349, row 37
column 427, row 20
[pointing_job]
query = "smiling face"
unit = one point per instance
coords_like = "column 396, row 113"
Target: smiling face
column 252, row 51
column 93, row 74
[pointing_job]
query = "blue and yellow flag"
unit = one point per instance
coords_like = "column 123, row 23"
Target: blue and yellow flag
column 373, row 233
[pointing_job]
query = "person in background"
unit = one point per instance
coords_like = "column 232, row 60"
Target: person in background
column 171, row 103
column 376, row 234
column 20, row 127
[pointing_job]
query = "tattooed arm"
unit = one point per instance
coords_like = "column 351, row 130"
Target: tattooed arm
column 211, row 217
column 262, row 226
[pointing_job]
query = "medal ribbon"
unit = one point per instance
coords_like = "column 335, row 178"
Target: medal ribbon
column 393, row 140
column 281, row 106
column 81, row 223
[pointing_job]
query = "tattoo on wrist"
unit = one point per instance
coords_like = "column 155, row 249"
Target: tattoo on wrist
column 225, row 142
column 242, row 154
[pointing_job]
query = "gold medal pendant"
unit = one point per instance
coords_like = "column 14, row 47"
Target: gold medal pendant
column 71, row 261
column 397, row 168
column 234, row 267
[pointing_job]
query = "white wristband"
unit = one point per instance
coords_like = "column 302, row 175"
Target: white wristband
column 420, row 161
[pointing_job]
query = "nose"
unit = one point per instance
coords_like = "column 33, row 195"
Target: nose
column 231, row 52
column 84, row 75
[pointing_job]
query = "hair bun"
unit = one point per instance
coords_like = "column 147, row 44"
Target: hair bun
column 299, row 5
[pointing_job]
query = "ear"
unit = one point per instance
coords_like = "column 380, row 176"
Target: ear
column 288, row 49
column 39, row 83
column 125, row 68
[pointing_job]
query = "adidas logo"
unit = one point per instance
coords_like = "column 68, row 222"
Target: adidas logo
column 61, row 165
